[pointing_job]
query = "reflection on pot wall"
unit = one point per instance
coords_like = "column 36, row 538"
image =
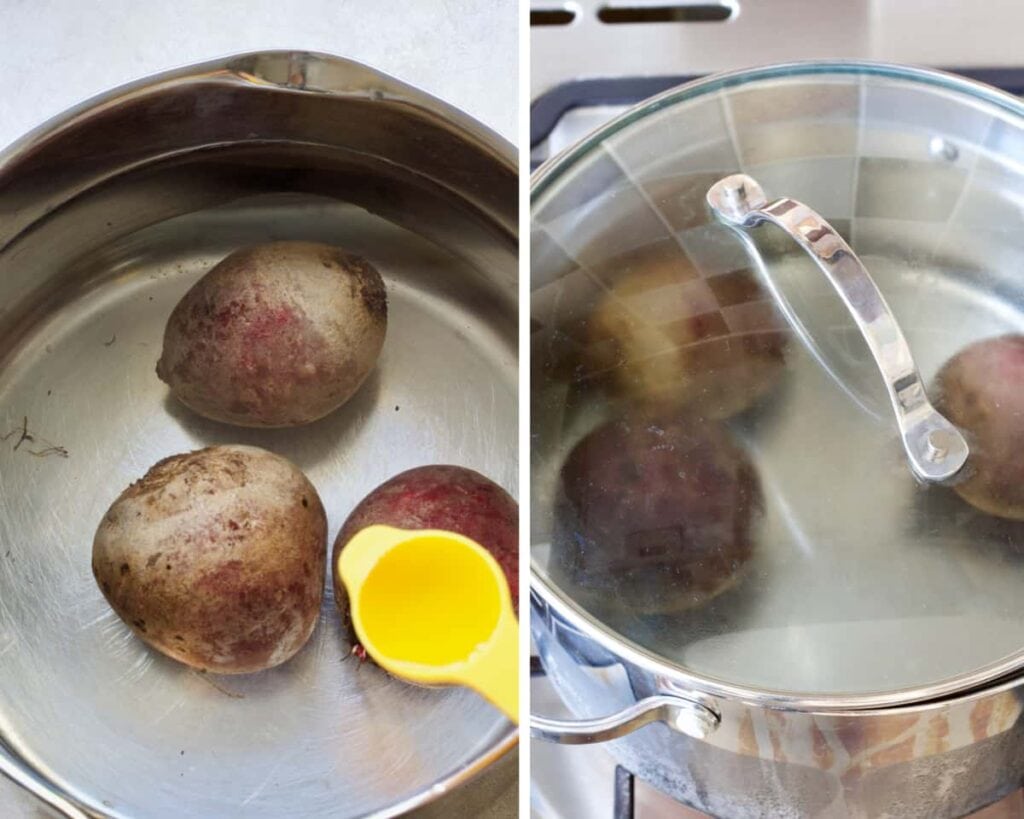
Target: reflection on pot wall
column 763, row 762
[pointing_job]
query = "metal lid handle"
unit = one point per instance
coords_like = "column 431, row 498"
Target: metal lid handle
column 935, row 448
column 685, row 716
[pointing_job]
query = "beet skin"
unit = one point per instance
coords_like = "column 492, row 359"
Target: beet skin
column 451, row 498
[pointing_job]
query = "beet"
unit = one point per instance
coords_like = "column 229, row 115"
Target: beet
column 451, row 498
column 275, row 335
column 666, row 339
column 981, row 390
column 655, row 515
column 216, row 558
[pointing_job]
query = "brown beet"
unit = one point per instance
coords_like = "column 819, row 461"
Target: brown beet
column 655, row 515
column 981, row 390
column 666, row 339
column 440, row 497
column 216, row 558
column 275, row 335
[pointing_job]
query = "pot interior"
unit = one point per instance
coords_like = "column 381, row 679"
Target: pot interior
column 84, row 295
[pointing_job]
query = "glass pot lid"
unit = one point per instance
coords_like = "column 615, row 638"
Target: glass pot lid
column 734, row 469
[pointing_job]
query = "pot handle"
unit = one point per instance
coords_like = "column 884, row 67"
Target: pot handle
column 935, row 448
column 683, row 715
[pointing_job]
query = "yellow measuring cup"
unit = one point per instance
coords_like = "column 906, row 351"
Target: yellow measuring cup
column 434, row 607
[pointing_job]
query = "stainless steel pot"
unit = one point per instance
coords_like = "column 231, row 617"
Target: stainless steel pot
column 859, row 653
column 109, row 214
column 739, row 758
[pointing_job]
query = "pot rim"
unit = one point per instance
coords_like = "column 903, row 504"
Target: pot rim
column 244, row 68
column 980, row 682
column 685, row 681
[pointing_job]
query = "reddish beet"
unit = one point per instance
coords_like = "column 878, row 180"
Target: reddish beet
column 981, row 390
column 275, row 335
column 440, row 497
column 655, row 515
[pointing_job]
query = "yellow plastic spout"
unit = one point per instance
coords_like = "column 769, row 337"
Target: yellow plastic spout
column 433, row 607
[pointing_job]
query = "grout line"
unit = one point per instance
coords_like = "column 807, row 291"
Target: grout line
column 650, row 204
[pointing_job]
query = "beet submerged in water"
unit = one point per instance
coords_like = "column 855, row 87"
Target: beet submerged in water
column 981, row 390
column 666, row 339
column 655, row 515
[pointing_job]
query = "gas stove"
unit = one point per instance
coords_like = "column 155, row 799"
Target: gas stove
column 592, row 59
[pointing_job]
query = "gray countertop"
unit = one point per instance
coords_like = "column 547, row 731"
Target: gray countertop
column 56, row 53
